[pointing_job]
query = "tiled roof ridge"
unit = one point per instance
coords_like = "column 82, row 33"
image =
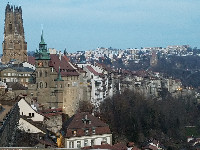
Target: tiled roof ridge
column 92, row 70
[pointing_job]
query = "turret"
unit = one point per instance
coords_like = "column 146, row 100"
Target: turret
column 9, row 8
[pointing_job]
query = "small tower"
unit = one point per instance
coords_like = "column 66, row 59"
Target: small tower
column 14, row 44
column 154, row 59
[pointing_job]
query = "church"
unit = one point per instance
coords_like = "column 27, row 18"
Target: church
column 14, row 44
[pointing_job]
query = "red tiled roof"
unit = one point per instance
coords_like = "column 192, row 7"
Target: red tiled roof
column 66, row 69
column 120, row 146
column 93, row 71
column 78, row 123
column 108, row 146
column 31, row 60
column 52, row 110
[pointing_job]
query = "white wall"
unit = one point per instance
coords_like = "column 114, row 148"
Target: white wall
column 26, row 64
column 25, row 109
column 27, row 127
column 98, row 139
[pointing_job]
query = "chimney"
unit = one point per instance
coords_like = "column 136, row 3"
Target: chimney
column 60, row 55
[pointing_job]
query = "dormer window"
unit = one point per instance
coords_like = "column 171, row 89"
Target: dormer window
column 74, row 133
column 86, row 132
column 93, row 131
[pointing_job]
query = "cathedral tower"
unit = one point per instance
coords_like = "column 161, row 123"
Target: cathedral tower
column 14, row 44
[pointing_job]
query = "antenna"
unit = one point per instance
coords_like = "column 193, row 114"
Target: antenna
column 42, row 28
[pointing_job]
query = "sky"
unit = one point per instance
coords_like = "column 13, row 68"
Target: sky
column 79, row 25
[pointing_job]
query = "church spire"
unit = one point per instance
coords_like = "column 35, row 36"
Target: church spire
column 59, row 76
column 43, row 52
column 42, row 38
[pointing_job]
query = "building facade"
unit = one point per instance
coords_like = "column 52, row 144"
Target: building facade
column 56, row 81
column 85, row 130
column 14, row 44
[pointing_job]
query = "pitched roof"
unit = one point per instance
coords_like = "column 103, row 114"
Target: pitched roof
column 92, row 70
column 31, row 60
column 16, row 86
column 51, row 112
column 66, row 68
column 84, row 120
column 37, row 124
column 107, row 146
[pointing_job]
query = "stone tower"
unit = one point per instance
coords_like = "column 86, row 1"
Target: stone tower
column 14, row 44
column 153, row 59
column 42, row 58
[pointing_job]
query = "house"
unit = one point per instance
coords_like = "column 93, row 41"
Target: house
column 28, row 111
column 29, row 126
column 153, row 145
column 84, row 129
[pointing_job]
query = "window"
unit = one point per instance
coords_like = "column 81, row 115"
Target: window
column 93, row 131
column 85, row 142
column 22, row 114
column 29, row 114
column 41, row 85
column 86, row 132
column 71, row 144
column 92, row 142
column 51, row 69
column 74, row 133
column 104, row 140
column 33, row 114
column 41, row 74
column 9, row 74
column 45, row 85
column 45, row 73
column 78, row 144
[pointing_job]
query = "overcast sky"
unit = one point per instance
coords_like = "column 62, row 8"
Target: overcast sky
column 87, row 24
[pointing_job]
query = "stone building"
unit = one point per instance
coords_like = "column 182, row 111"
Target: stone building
column 14, row 44
column 16, row 74
column 56, row 81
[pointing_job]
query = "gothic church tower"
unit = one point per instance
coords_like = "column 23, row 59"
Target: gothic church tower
column 14, row 44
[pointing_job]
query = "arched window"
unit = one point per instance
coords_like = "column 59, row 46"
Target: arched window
column 41, row 85
column 45, row 73
column 45, row 85
column 40, row 73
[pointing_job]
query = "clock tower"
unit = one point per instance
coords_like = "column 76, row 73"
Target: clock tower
column 42, row 73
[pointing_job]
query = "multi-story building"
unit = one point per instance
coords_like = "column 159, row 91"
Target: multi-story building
column 56, row 81
column 83, row 130
column 14, row 44
column 16, row 74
